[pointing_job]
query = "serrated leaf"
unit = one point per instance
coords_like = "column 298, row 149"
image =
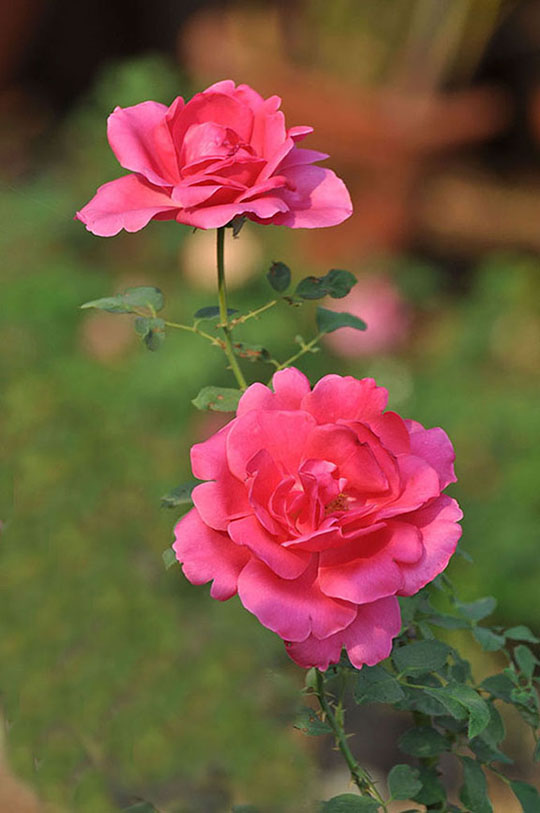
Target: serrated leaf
column 527, row 795
column 447, row 621
column 328, row 321
column 488, row 640
column 423, row 741
column 494, row 732
column 479, row 609
column 525, row 660
column 145, row 296
column 522, row 633
column 456, row 709
column 473, row 793
column 211, row 312
column 420, row 657
column 336, row 283
column 525, row 699
column 350, row 803
column 310, row 723
column 374, row 684
column 279, row 276
column 404, row 782
column 181, row 495
column 251, row 352
column 499, row 686
column 477, row 708
column 217, row 399
column 488, row 753
column 151, row 330
column 169, row 558
column 432, row 791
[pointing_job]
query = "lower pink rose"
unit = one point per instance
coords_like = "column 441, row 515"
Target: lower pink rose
column 319, row 510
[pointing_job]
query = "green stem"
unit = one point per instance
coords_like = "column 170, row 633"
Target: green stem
column 239, row 320
column 359, row 776
column 224, row 311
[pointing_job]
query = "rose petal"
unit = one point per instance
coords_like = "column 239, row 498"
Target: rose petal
column 336, row 398
column 290, row 386
column 393, row 433
column 419, row 484
column 214, row 107
column 222, row 501
column 132, row 135
column 209, row 458
column 295, row 608
column 435, row 446
column 368, row 639
column 206, row 554
column 438, row 524
column 127, row 203
column 284, row 563
column 319, row 198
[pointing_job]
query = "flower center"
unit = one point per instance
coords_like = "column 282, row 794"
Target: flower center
column 339, row 503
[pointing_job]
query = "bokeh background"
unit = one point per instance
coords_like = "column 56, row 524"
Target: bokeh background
column 120, row 680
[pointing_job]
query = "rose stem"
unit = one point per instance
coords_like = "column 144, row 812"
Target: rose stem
column 360, row 777
column 224, row 311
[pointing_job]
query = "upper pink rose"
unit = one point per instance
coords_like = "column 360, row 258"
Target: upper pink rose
column 225, row 153
column 319, row 510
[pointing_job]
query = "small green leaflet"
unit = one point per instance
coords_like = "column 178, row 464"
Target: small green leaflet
column 528, row 797
column 477, row 610
column 145, row 296
column 374, row 684
column 404, row 782
column 525, row 660
column 328, row 321
column 308, row 722
column 473, row 793
column 169, row 558
column 423, row 741
column 151, row 330
column 489, row 641
column 522, row 633
column 251, row 352
column 335, row 283
column 350, row 803
column 181, row 495
column 420, row 657
column 217, row 399
column 279, row 276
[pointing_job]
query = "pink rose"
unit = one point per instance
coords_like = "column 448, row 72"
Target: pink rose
column 379, row 303
column 319, row 510
column 225, row 153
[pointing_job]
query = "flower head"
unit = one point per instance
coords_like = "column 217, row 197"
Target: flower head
column 319, row 510
column 225, row 153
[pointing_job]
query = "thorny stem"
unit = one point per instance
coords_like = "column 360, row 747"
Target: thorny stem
column 224, row 312
column 306, row 348
column 238, row 320
column 359, row 776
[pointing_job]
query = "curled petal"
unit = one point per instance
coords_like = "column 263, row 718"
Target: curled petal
column 368, row 639
column 209, row 459
column 128, row 203
column 221, row 501
column 132, row 135
column 438, row 525
column 286, row 564
column 434, row 446
column 295, row 608
column 206, row 554
column 290, row 386
column 344, row 398
column 317, row 198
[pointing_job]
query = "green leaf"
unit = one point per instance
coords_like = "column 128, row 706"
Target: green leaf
column 527, row 796
column 374, row 684
column 279, row 276
column 403, row 782
column 151, row 330
column 536, row 754
column 432, row 791
column 420, row 657
column 487, row 753
column 181, row 495
column 477, row 610
column 350, row 803
column 328, row 321
column 525, row 700
column 473, row 793
column 499, row 686
column 308, row 721
column 212, row 312
column 217, row 399
column 525, row 660
column 488, row 640
column 495, row 731
column 477, row 708
column 423, row 741
column 522, row 633
column 169, row 558
column 335, row 283
column 252, row 352
column 445, row 697
column 145, row 296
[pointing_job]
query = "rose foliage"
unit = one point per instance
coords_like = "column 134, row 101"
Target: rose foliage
column 226, row 153
column 319, row 509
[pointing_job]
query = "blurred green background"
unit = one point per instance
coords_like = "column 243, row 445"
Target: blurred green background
column 119, row 679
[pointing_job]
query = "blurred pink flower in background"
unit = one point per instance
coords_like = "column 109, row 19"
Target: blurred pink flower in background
column 319, row 510
column 377, row 301
column 223, row 154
